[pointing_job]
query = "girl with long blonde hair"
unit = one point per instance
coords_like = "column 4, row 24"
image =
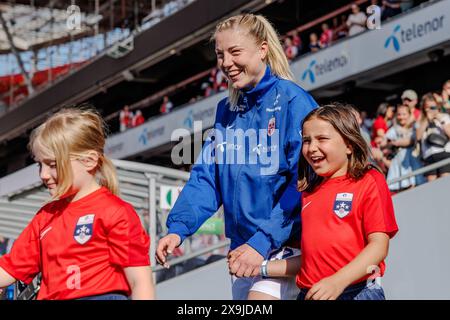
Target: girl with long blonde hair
column 86, row 242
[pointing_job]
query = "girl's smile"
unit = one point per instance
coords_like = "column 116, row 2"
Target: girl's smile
column 324, row 148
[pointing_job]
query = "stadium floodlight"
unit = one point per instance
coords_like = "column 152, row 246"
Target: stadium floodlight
column 121, row 48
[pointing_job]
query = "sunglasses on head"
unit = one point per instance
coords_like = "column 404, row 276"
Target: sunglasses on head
column 407, row 99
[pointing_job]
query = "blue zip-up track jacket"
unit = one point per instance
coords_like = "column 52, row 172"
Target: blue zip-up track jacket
column 260, row 199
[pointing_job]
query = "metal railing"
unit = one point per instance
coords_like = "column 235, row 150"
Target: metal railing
column 131, row 175
column 422, row 170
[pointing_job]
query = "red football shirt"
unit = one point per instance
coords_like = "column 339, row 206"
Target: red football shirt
column 80, row 247
column 337, row 217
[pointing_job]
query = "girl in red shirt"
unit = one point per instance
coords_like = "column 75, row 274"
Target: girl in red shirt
column 347, row 214
column 87, row 243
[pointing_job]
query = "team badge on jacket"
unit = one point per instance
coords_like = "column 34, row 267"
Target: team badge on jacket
column 83, row 229
column 271, row 126
column 343, row 204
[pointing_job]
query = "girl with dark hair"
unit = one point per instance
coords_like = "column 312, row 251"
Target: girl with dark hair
column 347, row 214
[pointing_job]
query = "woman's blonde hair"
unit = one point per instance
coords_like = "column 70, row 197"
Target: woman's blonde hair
column 73, row 132
column 261, row 30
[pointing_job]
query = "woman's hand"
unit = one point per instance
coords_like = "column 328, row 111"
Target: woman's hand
column 245, row 262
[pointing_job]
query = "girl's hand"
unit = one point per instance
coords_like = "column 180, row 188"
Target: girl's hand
column 329, row 288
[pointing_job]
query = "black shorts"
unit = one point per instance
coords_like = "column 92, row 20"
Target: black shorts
column 436, row 158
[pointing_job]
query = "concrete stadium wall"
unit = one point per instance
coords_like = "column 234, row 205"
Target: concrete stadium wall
column 419, row 257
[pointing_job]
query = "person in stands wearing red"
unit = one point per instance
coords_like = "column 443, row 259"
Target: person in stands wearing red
column 166, row 106
column 138, row 119
column 384, row 116
column 297, row 41
column 125, row 118
column 326, row 37
column 347, row 214
column 86, row 242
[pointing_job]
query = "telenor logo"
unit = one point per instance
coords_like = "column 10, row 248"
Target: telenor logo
column 393, row 39
column 143, row 137
column 413, row 32
column 321, row 68
column 189, row 120
column 309, row 72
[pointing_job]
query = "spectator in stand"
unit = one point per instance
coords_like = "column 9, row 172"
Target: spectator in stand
column 434, row 134
column 401, row 137
column 297, row 41
column 367, row 122
column 385, row 113
column 381, row 153
column 340, row 30
column 289, row 49
column 364, row 132
column 446, row 97
column 166, row 106
column 207, row 89
column 125, row 118
column 193, row 100
column 212, row 79
column 356, row 21
column 334, row 27
column 218, row 80
column 314, row 45
column 390, row 8
column 326, row 37
column 410, row 99
column 138, row 119
column 3, row 245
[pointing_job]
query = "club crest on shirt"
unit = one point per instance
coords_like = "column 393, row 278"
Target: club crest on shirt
column 343, row 204
column 271, row 126
column 84, row 228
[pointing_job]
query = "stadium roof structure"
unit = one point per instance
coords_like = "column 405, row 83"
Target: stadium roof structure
column 35, row 24
column 32, row 27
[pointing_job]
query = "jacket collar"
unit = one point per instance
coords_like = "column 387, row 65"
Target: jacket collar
column 256, row 94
